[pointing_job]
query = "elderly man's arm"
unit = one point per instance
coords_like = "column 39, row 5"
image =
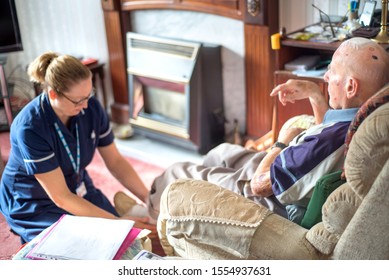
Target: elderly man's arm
column 294, row 90
column 260, row 183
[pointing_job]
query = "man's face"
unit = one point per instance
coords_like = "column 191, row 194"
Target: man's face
column 336, row 80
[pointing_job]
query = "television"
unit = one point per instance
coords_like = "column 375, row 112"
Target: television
column 10, row 39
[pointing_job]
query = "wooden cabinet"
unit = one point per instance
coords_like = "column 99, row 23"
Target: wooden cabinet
column 290, row 49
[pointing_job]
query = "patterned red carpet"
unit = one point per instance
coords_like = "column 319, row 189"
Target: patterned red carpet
column 9, row 243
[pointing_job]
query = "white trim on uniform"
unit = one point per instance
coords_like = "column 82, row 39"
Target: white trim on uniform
column 39, row 160
column 106, row 133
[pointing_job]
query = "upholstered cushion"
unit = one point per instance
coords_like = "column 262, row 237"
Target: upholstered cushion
column 301, row 121
column 215, row 223
column 193, row 213
column 374, row 102
column 337, row 212
column 322, row 239
column 368, row 151
column 339, row 208
column 265, row 142
column 366, row 235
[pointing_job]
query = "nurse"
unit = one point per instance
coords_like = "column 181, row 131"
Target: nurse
column 53, row 140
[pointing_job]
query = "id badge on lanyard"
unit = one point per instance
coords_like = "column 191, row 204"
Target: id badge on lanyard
column 81, row 189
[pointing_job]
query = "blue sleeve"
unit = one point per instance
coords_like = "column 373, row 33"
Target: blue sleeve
column 36, row 150
column 296, row 170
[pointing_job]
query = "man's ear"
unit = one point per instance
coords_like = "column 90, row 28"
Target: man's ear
column 351, row 87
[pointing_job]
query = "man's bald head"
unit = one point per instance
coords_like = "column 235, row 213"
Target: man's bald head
column 365, row 60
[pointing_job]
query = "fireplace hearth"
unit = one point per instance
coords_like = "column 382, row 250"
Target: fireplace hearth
column 175, row 91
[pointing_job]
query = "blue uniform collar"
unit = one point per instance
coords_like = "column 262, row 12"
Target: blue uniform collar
column 48, row 110
column 343, row 115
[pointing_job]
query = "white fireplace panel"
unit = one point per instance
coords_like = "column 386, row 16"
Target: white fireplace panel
column 206, row 28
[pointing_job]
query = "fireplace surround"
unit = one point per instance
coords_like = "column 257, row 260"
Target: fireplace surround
column 175, row 91
column 260, row 18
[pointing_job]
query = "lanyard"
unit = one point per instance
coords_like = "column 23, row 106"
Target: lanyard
column 76, row 167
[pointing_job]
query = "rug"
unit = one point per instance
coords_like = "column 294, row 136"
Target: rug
column 10, row 243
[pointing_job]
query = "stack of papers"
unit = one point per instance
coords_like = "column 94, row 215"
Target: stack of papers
column 304, row 62
column 85, row 238
column 310, row 73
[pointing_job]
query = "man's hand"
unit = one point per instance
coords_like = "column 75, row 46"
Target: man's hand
column 294, row 90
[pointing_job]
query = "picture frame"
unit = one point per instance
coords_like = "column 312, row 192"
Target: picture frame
column 367, row 13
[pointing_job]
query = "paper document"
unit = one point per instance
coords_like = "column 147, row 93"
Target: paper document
column 83, row 238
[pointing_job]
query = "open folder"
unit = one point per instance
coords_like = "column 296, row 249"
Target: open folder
column 85, row 238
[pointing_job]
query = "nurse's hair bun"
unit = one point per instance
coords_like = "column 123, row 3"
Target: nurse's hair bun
column 37, row 69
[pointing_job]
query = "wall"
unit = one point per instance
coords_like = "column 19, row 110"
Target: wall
column 65, row 26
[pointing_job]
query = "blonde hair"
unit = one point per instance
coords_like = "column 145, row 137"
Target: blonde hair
column 60, row 72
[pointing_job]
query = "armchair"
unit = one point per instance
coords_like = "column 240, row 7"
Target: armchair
column 214, row 223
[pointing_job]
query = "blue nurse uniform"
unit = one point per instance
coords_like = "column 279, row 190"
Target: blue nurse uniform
column 37, row 148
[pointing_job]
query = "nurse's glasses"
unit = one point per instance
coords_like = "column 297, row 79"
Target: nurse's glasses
column 81, row 101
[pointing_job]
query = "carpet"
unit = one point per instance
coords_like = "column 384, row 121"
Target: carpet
column 10, row 243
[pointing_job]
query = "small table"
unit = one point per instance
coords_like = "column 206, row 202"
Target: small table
column 4, row 93
column 97, row 70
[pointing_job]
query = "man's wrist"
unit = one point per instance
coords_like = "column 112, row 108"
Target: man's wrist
column 279, row 144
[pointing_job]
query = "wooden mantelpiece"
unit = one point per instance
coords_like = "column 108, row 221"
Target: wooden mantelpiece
column 259, row 57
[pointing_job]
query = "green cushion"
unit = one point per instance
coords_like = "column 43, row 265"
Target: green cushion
column 323, row 188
